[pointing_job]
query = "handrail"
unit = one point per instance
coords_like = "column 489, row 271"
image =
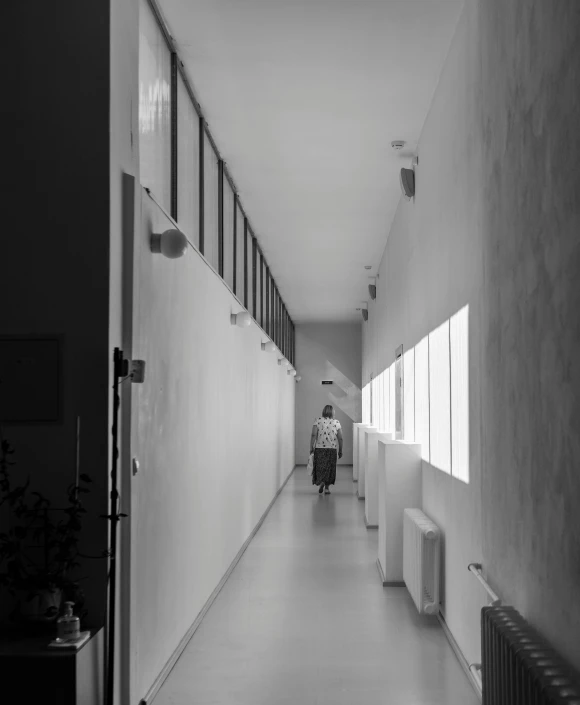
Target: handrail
column 475, row 568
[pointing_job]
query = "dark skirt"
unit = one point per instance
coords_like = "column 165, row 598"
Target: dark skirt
column 324, row 466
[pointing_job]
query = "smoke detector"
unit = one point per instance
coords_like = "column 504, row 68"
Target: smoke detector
column 397, row 145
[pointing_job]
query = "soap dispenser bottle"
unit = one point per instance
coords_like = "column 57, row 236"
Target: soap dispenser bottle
column 68, row 626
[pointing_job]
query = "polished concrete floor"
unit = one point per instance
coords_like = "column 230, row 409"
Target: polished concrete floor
column 304, row 620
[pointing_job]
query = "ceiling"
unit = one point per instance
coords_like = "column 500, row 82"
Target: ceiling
column 304, row 98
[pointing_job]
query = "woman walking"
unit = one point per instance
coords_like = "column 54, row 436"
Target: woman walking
column 325, row 441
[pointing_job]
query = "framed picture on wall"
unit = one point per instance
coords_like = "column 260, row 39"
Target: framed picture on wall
column 31, row 379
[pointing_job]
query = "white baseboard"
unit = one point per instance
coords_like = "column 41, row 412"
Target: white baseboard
column 154, row 689
column 459, row 654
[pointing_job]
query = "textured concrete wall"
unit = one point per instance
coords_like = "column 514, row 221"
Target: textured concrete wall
column 495, row 225
column 530, row 98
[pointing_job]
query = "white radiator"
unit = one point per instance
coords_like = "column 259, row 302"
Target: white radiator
column 421, row 542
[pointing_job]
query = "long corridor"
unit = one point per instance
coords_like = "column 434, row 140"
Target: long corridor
column 304, row 620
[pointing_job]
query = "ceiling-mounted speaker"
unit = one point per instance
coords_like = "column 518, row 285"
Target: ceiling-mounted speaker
column 365, row 314
column 373, row 291
column 408, row 183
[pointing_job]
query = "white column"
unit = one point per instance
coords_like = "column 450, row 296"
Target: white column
column 355, row 429
column 399, row 487
column 361, row 454
column 371, row 438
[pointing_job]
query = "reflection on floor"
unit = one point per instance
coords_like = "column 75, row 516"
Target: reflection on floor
column 304, row 620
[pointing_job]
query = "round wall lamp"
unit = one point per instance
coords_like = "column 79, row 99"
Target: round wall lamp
column 298, row 378
column 171, row 243
column 292, row 372
column 242, row 319
column 407, row 179
column 269, row 346
column 282, row 361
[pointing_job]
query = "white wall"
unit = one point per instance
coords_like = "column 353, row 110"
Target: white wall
column 327, row 351
column 494, row 227
column 430, row 269
column 213, row 429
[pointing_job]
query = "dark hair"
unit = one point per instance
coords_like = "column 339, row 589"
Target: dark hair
column 328, row 411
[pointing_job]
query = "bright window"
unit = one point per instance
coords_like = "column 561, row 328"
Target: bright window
column 187, row 164
column 228, row 233
column 210, row 191
column 154, row 108
column 459, row 337
column 440, row 398
column 409, row 394
column 422, row 396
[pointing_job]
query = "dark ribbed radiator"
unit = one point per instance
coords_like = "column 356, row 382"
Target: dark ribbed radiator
column 518, row 667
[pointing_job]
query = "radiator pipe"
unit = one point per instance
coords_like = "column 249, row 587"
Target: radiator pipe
column 475, row 669
column 475, row 568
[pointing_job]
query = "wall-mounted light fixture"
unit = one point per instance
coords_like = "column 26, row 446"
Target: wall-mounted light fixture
column 297, row 379
column 269, row 346
column 241, row 319
column 282, row 361
column 373, row 289
column 364, row 310
column 171, row 243
column 407, row 179
column 292, row 372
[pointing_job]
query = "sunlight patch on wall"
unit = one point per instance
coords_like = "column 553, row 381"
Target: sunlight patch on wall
column 348, row 397
column 459, row 349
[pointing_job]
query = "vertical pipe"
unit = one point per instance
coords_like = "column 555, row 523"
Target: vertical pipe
column 78, row 458
column 113, row 518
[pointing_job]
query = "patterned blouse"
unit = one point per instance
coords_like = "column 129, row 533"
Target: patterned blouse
column 327, row 431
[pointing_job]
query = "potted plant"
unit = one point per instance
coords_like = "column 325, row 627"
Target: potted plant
column 39, row 549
